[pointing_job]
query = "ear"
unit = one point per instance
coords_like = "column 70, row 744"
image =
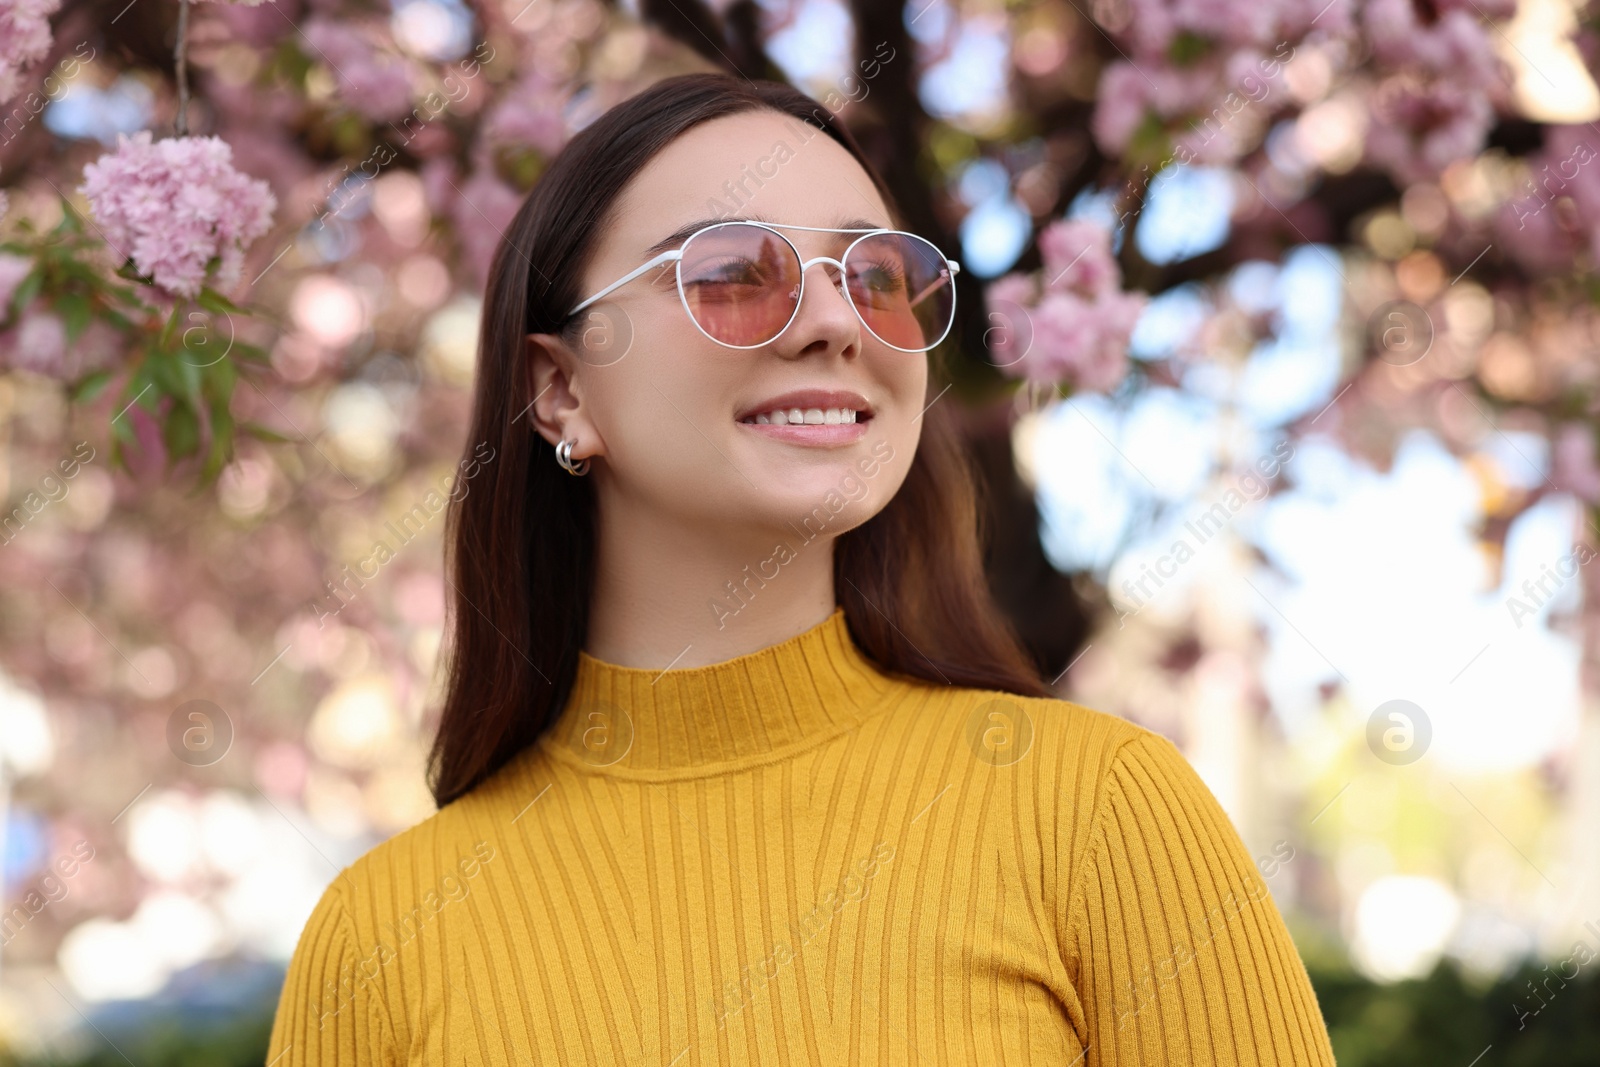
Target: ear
column 555, row 396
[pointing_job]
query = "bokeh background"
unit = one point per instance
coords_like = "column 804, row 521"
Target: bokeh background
column 1278, row 358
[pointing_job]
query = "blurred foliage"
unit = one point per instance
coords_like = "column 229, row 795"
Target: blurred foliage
column 174, row 1043
column 1445, row 1018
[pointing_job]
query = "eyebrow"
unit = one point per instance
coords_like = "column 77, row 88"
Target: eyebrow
column 684, row 232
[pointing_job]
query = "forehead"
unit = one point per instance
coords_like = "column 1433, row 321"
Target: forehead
column 753, row 164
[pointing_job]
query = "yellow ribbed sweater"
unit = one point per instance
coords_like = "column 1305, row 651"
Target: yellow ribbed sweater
column 793, row 857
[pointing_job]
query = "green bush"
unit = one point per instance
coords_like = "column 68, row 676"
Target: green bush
column 1442, row 1019
column 1445, row 1019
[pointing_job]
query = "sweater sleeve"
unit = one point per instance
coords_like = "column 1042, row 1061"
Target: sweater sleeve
column 1179, row 954
column 330, row 1011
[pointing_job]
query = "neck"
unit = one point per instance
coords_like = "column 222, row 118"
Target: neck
column 659, row 725
column 681, row 598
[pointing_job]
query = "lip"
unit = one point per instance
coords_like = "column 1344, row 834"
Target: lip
column 812, row 398
column 823, row 435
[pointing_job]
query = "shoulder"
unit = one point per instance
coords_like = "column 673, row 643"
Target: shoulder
column 436, row 861
column 1076, row 773
column 1051, row 740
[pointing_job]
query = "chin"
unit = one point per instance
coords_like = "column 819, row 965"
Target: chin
column 822, row 504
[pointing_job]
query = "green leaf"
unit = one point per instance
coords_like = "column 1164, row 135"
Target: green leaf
column 218, row 304
column 1187, row 47
column 181, row 431
column 188, row 377
column 1149, row 144
column 219, row 380
column 75, row 311
column 123, row 295
column 119, row 320
column 69, row 219
column 122, row 428
column 163, row 373
column 255, row 429
column 27, row 290
column 221, row 443
column 171, row 327
column 130, row 272
column 90, row 386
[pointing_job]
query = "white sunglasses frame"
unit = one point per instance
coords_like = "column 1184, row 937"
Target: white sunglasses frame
column 676, row 254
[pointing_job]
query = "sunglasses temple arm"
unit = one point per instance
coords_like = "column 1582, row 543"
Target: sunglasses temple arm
column 665, row 257
column 935, row 286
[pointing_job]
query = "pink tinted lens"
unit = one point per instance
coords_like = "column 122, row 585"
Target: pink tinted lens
column 903, row 289
column 742, row 283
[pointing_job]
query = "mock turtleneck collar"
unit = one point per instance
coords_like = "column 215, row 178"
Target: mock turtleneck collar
column 653, row 724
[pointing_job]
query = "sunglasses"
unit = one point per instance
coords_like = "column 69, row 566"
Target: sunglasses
column 741, row 283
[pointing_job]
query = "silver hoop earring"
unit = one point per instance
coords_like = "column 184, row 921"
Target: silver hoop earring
column 564, row 457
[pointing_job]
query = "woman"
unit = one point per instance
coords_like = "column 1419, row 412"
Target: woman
column 738, row 762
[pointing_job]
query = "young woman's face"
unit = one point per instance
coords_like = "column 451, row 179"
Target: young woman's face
column 681, row 424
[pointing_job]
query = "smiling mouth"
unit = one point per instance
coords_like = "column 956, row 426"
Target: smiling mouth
column 807, row 417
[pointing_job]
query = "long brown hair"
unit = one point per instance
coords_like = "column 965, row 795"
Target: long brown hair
column 520, row 542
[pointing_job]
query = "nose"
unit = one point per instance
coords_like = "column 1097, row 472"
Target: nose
column 826, row 320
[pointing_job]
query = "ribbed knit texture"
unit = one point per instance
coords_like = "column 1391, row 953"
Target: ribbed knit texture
column 791, row 858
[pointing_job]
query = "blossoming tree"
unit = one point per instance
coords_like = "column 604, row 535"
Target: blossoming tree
column 241, row 243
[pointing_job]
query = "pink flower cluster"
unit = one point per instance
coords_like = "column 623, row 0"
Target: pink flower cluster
column 1195, row 66
column 1575, row 466
column 1436, row 105
column 480, row 206
column 13, row 268
column 24, row 39
column 172, row 205
column 374, row 82
column 1070, row 323
column 1554, row 217
column 529, row 113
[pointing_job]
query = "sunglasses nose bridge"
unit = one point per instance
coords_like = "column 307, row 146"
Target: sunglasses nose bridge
column 838, row 284
column 809, row 263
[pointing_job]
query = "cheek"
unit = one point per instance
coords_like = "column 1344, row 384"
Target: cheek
column 903, row 378
column 656, row 407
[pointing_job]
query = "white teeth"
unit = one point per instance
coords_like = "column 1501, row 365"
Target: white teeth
column 806, row 416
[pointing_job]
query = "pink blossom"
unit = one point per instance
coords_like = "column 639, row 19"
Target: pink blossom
column 482, row 208
column 1081, row 342
column 1493, row 10
column 24, row 39
column 1419, row 128
column 172, row 205
column 529, row 113
column 37, row 343
column 1555, row 213
column 1456, row 44
column 375, row 83
column 1121, row 105
column 1437, row 107
column 1076, row 331
column 13, row 268
column 1574, row 468
column 1531, row 229
column 1197, row 102
column 1012, row 288
column 1077, row 256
